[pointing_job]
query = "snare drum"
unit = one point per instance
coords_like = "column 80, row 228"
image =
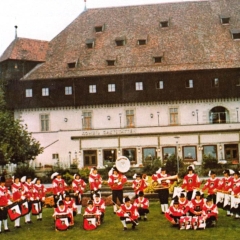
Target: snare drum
column 89, row 222
column 14, row 211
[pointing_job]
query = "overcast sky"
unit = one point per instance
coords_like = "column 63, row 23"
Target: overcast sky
column 44, row 19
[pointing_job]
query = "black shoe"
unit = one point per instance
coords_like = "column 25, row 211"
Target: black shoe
column 7, row 230
column 29, row 222
column 40, row 219
column 17, row 226
column 124, row 229
column 145, row 219
column 163, row 212
column 133, row 226
column 139, row 218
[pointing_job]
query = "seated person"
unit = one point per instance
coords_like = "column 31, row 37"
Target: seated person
column 196, row 205
column 70, row 204
column 174, row 213
column 92, row 210
column 142, row 205
column 100, row 205
column 210, row 212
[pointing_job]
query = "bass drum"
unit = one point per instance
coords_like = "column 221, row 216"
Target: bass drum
column 122, row 164
column 89, row 222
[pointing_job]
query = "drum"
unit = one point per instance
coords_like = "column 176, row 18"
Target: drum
column 14, row 211
column 24, row 207
column 36, row 207
column 61, row 223
column 89, row 222
column 220, row 199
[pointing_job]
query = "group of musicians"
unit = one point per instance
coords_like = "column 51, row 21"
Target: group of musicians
column 27, row 197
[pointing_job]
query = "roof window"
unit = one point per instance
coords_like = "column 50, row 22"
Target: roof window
column 90, row 43
column 120, row 41
column 225, row 19
column 111, row 62
column 235, row 34
column 157, row 59
column 99, row 28
column 164, row 23
column 72, row 65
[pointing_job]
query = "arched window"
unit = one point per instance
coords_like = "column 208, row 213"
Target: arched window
column 218, row 115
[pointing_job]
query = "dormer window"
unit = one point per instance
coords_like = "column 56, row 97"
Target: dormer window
column 111, row 62
column 157, row 59
column 235, row 34
column 72, row 65
column 225, row 20
column 189, row 83
column 215, row 82
column 164, row 24
column 99, row 28
column 90, row 43
column 120, row 41
column 142, row 41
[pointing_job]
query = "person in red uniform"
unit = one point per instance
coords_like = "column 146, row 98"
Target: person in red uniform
column 95, row 182
column 138, row 184
column 210, row 212
column 174, row 213
column 100, row 205
column 128, row 214
column 184, row 204
column 70, row 204
column 93, row 210
column 58, row 185
column 235, row 192
column 78, row 186
column 142, row 205
column 18, row 194
column 5, row 197
column 116, row 181
column 163, row 193
column 196, row 204
column 190, row 182
column 40, row 194
column 225, row 186
column 212, row 185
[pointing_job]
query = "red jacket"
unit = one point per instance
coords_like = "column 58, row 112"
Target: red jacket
column 209, row 211
column 141, row 203
column 116, row 182
column 58, row 186
column 131, row 211
column 139, row 185
column 95, row 181
column 211, row 185
column 173, row 212
column 40, row 191
column 191, row 182
column 78, row 185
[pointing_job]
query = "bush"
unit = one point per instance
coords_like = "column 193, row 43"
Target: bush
column 25, row 171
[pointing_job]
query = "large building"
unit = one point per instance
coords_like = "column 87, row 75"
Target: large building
column 140, row 81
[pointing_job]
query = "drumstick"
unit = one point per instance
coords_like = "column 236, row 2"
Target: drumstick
column 125, row 212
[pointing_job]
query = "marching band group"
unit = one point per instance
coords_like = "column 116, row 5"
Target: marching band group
column 188, row 208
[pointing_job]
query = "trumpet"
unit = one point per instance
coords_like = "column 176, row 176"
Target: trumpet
column 157, row 186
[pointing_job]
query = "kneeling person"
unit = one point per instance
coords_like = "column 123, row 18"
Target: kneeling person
column 174, row 213
column 210, row 212
column 142, row 205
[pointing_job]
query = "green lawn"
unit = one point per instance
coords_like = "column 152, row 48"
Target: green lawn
column 157, row 227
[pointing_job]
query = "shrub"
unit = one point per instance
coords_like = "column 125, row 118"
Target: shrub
column 25, row 171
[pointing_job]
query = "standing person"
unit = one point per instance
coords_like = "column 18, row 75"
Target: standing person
column 78, row 186
column 58, row 187
column 99, row 203
column 212, row 185
column 163, row 192
column 40, row 192
column 235, row 192
column 225, row 186
column 95, row 182
column 190, row 182
column 17, row 195
column 210, row 212
column 142, row 205
column 116, row 182
column 128, row 214
column 138, row 184
column 5, row 197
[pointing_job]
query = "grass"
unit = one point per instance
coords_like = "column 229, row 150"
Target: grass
column 157, row 227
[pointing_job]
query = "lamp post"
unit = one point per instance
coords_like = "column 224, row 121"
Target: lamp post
column 158, row 118
column 120, row 119
column 177, row 137
column 197, row 115
column 69, row 158
column 237, row 113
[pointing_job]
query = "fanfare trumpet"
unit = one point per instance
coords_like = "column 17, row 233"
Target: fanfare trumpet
column 162, row 184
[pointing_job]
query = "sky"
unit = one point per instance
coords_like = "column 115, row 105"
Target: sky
column 44, row 19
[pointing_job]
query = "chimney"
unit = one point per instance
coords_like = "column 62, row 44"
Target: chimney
column 85, row 5
column 16, row 31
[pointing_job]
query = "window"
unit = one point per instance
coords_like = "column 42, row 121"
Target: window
column 238, row 82
column 111, row 88
column 29, row 93
column 235, row 34
column 68, row 90
column 90, row 43
column 189, row 153
column 120, row 41
column 130, row 153
column 225, row 20
column 87, row 121
column 139, row 86
column 173, row 116
column 210, row 151
column 160, row 85
column 215, row 82
column 130, row 118
column 44, row 118
column 92, row 88
column 164, row 24
column 157, row 59
column 231, row 153
column 109, row 156
column 189, row 83
column 149, row 154
column 218, row 115
column 45, row 91
column 110, row 62
column 168, row 152
column 142, row 42
column 55, row 156
column 99, row 29
column 90, row 158
column 72, row 65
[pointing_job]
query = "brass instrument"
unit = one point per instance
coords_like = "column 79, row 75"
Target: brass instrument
column 158, row 186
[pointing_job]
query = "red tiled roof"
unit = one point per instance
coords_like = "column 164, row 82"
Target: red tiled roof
column 195, row 39
column 26, row 49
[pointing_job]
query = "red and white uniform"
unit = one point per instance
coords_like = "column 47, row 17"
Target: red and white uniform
column 211, row 185
column 173, row 212
column 191, row 182
column 100, row 205
column 117, row 181
column 196, row 206
column 5, row 196
column 139, row 185
column 92, row 210
column 61, row 212
column 131, row 211
column 58, row 186
column 236, row 186
column 158, row 176
column 40, row 192
column 209, row 211
column 141, row 203
column 184, row 205
column 78, row 186
column 29, row 191
column 95, row 181
column 18, row 191
column 226, row 184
